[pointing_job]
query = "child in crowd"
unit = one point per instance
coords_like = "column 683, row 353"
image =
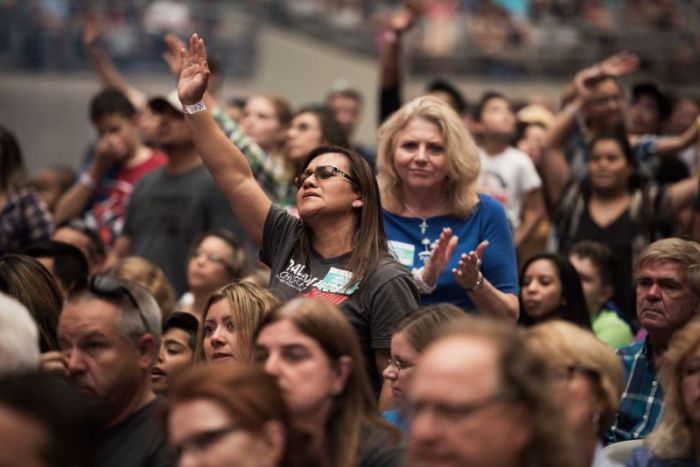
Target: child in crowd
column 507, row 173
column 596, row 266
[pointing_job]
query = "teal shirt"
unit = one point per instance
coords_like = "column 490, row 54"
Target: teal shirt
column 611, row 329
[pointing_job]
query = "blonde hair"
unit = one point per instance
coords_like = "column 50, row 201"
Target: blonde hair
column 248, row 304
column 571, row 344
column 463, row 164
column 673, row 436
column 149, row 276
column 685, row 253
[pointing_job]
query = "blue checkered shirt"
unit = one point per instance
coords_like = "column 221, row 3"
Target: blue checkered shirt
column 642, row 400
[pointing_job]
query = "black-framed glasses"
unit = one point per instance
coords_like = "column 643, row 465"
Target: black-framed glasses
column 453, row 412
column 399, row 365
column 323, row 172
column 204, row 440
column 567, row 373
column 110, row 287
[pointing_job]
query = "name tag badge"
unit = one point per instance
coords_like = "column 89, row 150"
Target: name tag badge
column 336, row 281
column 403, row 252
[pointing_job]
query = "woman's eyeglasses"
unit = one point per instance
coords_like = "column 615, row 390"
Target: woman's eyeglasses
column 323, row 172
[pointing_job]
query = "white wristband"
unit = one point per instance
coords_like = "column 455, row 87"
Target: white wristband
column 87, row 180
column 422, row 285
column 194, row 108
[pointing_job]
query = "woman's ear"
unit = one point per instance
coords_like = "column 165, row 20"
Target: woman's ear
column 273, row 437
column 358, row 203
column 343, row 368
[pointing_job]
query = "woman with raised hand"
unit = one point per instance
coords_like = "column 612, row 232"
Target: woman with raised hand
column 427, row 168
column 336, row 250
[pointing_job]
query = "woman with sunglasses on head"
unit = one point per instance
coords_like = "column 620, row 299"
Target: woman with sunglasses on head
column 336, row 250
column 591, row 383
column 310, row 349
column 411, row 335
column 458, row 243
column 217, row 258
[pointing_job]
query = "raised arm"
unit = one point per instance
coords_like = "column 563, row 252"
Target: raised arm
column 390, row 57
column 681, row 194
column 224, row 160
column 667, row 145
column 102, row 63
column 620, row 64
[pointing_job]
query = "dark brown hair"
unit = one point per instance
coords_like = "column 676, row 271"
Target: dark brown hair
column 369, row 239
column 250, row 396
column 25, row 279
column 355, row 407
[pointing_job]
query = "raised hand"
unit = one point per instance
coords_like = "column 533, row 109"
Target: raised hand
column 195, row 72
column 92, row 30
column 468, row 270
column 620, row 64
column 440, row 256
column 172, row 54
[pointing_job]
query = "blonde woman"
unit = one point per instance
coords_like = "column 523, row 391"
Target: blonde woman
column 457, row 242
column 676, row 439
column 590, row 381
column 230, row 319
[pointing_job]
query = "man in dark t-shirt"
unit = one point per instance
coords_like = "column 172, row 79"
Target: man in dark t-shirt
column 109, row 336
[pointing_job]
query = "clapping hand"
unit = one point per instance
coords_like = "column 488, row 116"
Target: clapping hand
column 440, row 256
column 195, row 72
column 468, row 270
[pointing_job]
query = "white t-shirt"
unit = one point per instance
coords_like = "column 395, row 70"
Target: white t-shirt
column 508, row 177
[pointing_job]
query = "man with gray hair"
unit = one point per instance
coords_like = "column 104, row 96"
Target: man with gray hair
column 19, row 338
column 109, row 333
column 668, row 297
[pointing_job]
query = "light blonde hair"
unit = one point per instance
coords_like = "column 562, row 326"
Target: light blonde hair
column 463, row 164
column 248, row 304
column 685, row 253
column 149, row 276
column 571, row 344
column 673, row 436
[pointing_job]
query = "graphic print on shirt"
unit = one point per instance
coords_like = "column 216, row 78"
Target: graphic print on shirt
column 404, row 252
column 332, row 288
column 493, row 184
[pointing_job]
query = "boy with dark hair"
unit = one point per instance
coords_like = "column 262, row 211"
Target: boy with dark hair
column 596, row 266
column 118, row 160
column 66, row 263
column 177, row 349
column 507, row 173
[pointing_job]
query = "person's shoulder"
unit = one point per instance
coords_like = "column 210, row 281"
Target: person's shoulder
column 488, row 206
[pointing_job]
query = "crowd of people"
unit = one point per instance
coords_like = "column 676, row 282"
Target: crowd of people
column 237, row 283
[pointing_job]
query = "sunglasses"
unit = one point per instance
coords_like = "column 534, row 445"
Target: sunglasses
column 323, row 172
column 111, row 288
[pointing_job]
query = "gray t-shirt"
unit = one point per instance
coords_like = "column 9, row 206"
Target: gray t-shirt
column 167, row 212
column 373, row 306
